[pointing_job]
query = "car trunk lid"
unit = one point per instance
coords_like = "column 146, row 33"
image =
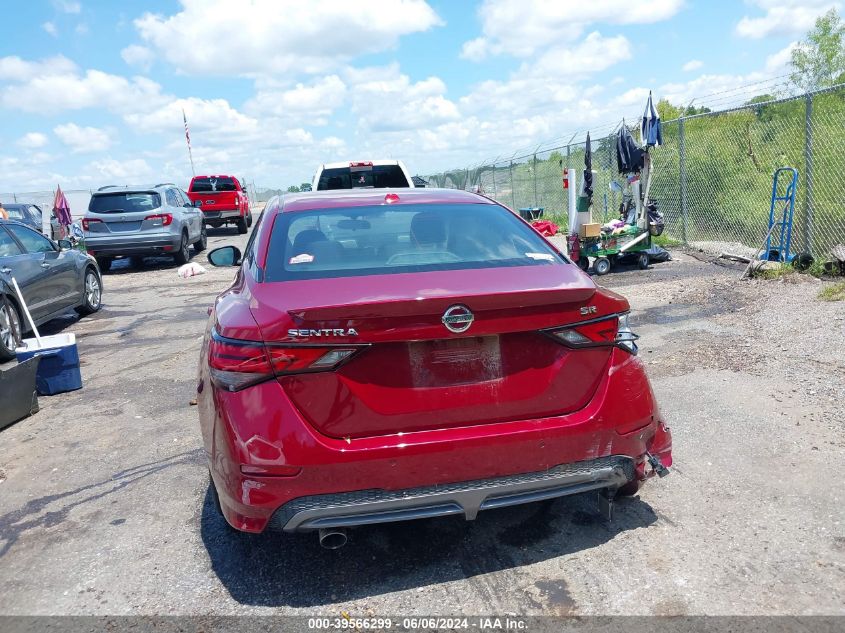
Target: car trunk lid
column 416, row 374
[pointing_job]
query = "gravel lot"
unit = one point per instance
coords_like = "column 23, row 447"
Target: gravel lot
column 105, row 509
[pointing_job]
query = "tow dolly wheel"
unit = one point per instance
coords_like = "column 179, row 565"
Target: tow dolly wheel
column 602, row 266
column 584, row 263
column 642, row 261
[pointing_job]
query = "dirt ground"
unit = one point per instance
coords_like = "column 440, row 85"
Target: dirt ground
column 105, row 508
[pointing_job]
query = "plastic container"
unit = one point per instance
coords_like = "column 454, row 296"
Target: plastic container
column 59, row 368
column 17, row 391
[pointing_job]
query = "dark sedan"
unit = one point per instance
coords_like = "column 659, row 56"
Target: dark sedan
column 31, row 214
column 52, row 277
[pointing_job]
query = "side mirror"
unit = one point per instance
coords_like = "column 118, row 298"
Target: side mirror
column 197, row 203
column 65, row 245
column 225, row 256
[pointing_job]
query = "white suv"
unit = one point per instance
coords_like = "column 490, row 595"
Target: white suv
column 362, row 175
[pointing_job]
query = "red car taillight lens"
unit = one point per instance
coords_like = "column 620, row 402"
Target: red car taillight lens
column 237, row 364
column 611, row 330
column 87, row 222
column 166, row 218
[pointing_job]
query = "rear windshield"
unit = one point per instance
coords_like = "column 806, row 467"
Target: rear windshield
column 211, row 184
column 15, row 211
column 362, row 178
column 383, row 240
column 123, row 202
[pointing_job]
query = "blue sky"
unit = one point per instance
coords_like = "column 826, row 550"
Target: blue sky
column 91, row 91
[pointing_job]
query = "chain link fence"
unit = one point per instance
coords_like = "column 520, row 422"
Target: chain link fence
column 712, row 178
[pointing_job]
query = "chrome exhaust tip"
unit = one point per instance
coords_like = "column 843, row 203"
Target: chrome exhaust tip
column 332, row 538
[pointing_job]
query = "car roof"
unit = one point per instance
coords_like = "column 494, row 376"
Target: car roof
column 214, row 176
column 342, row 198
column 348, row 163
column 131, row 188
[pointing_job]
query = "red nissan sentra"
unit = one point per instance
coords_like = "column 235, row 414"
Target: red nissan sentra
column 395, row 354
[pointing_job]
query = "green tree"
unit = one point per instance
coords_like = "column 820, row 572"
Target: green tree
column 305, row 186
column 667, row 111
column 819, row 60
column 293, row 189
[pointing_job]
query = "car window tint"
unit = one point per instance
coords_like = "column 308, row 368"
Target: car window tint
column 186, row 201
column 8, row 246
column 36, row 212
column 377, row 176
column 212, row 184
column 15, row 212
column 383, row 240
column 124, row 202
column 33, row 242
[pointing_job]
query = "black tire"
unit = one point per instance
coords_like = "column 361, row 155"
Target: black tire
column 10, row 329
column 602, row 266
column 104, row 263
column 249, row 219
column 242, row 227
column 642, row 261
column 182, row 256
column 92, row 293
column 584, row 263
column 201, row 244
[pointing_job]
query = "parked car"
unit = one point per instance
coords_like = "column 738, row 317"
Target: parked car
column 223, row 199
column 31, row 214
column 362, row 175
column 414, row 353
column 52, row 277
column 138, row 221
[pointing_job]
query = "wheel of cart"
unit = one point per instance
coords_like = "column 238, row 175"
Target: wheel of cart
column 642, row 261
column 602, row 266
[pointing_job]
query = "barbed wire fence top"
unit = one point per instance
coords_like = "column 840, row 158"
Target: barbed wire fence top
column 712, row 177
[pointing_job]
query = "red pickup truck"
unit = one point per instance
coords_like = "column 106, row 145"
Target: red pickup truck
column 223, row 199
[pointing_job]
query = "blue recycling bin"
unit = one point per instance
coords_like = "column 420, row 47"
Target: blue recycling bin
column 58, row 370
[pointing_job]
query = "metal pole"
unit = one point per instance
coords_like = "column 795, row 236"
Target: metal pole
column 808, row 161
column 683, row 177
column 495, row 192
column 535, row 181
column 513, row 196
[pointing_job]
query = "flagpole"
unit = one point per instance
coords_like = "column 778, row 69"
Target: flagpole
column 188, row 139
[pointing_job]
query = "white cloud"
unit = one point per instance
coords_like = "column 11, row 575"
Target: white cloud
column 83, row 140
column 139, row 56
column 693, row 64
column 386, row 100
column 32, row 140
column 520, row 27
column 67, row 6
column 783, row 17
column 81, row 29
column 118, row 171
column 211, row 121
column 310, row 103
column 40, row 82
column 225, row 37
column 50, row 27
column 778, row 63
column 14, row 68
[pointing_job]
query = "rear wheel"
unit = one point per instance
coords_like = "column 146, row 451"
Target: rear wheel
column 629, row 489
column 182, row 255
column 92, row 293
column 10, row 330
column 642, row 261
column 104, row 263
column 242, row 227
column 202, row 242
column 602, row 266
column 249, row 219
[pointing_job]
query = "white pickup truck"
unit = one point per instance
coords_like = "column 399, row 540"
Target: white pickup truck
column 369, row 174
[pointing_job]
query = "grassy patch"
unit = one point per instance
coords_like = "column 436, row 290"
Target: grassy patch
column 774, row 272
column 833, row 292
column 665, row 241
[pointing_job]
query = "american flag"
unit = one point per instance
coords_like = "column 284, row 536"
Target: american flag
column 187, row 133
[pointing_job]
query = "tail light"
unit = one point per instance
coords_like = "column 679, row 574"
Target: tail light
column 87, row 222
column 611, row 330
column 237, row 364
column 166, row 218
